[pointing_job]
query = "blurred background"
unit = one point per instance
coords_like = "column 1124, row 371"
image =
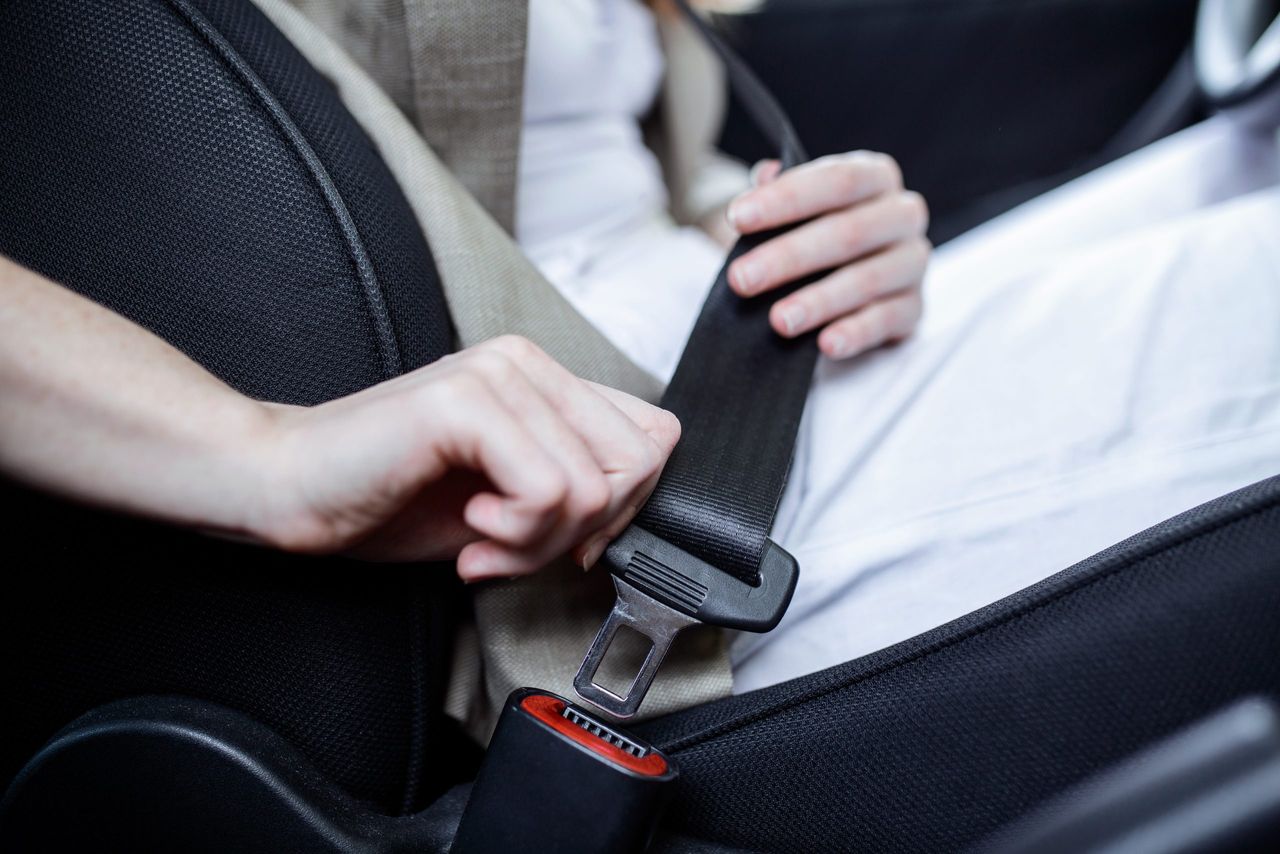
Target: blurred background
column 985, row 103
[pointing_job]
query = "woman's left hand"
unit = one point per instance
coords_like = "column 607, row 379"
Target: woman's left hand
column 860, row 225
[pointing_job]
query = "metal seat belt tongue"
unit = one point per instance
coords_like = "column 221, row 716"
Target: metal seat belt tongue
column 663, row 590
column 699, row 551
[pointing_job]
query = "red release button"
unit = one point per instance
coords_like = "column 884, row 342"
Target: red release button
column 550, row 710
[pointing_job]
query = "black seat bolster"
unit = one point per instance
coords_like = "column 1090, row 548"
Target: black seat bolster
column 176, row 774
column 935, row 742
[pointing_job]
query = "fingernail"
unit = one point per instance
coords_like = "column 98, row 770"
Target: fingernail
column 744, row 275
column 743, row 213
column 792, row 316
column 592, row 554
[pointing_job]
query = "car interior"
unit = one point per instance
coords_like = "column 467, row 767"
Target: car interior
column 168, row 691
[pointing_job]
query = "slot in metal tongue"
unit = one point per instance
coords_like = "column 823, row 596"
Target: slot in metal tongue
column 655, row 621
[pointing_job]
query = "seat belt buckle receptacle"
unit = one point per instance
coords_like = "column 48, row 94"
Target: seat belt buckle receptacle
column 557, row 779
column 662, row 590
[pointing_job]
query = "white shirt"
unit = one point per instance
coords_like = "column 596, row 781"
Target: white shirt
column 593, row 69
column 590, row 199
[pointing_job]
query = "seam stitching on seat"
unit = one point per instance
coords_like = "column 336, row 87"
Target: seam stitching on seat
column 296, row 142
column 694, row 740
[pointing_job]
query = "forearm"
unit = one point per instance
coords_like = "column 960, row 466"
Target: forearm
column 96, row 408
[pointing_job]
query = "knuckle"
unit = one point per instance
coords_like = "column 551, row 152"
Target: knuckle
column 920, row 248
column 891, row 170
column 667, row 427
column 914, row 309
column 844, row 179
column 637, row 458
column 850, row 235
column 784, row 199
column 461, row 388
column 818, row 303
column 861, row 158
column 874, row 326
column 902, row 320
column 494, row 364
column 895, row 316
column 917, row 209
column 777, row 259
column 551, row 492
column 870, row 282
column 591, row 496
column 652, row 459
column 846, row 176
column 516, row 347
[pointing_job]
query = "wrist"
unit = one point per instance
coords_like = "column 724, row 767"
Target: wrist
column 262, row 448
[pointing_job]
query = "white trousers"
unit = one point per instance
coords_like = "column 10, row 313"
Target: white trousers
column 1089, row 364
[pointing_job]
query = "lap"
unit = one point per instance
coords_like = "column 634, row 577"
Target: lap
column 1047, row 408
column 934, row 743
column 1089, row 364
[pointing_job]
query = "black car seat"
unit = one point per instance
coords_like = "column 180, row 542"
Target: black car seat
column 177, row 161
column 181, row 164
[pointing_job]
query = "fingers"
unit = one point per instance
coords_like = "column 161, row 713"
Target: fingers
column 859, row 225
column 664, row 429
column 826, row 184
column 621, row 441
column 829, row 241
column 851, row 287
column 589, row 552
column 661, row 425
column 586, row 493
column 531, row 485
column 629, row 439
column 878, row 323
column 610, row 448
column 497, row 455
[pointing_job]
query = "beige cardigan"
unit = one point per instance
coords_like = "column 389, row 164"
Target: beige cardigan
column 437, row 85
column 455, row 68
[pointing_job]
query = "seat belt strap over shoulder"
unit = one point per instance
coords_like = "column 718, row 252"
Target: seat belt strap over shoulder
column 699, row 551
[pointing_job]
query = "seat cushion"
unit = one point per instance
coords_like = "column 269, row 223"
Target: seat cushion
column 933, row 743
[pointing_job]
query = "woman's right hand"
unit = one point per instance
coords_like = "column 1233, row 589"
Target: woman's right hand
column 496, row 455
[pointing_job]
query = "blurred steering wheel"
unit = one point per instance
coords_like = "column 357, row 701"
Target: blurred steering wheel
column 1237, row 58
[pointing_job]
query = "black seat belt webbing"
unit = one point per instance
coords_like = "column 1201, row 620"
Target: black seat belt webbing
column 699, row 550
column 738, row 391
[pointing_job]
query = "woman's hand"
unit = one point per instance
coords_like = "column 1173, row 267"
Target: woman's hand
column 497, row 455
column 860, row 225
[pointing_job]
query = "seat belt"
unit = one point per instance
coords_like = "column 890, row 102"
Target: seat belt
column 699, row 550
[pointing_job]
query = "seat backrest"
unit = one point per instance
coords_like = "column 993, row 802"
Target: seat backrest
column 179, row 162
